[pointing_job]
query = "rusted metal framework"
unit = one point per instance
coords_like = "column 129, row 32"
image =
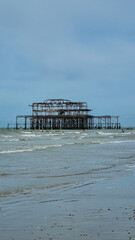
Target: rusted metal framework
column 64, row 114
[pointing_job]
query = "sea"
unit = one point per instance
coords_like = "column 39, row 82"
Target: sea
column 46, row 177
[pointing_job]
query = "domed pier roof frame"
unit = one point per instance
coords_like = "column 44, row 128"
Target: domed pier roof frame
column 59, row 107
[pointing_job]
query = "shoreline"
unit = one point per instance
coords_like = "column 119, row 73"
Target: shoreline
column 104, row 210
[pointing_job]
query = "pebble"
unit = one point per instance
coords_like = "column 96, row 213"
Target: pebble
column 83, row 235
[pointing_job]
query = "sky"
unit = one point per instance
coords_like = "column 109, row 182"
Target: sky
column 81, row 50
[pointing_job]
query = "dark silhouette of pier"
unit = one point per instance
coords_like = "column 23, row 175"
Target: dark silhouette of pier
column 64, row 114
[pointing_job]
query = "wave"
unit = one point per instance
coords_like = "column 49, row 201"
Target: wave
column 37, row 148
column 113, row 133
column 65, row 184
column 5, row 136
column 28, row 190
column 88, row 172
column 100, row 142
column 31, row 135
column 120, row 141
column 29, row 149
column 13, row 140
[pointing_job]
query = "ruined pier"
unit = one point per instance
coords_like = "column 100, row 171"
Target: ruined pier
column 64, row 114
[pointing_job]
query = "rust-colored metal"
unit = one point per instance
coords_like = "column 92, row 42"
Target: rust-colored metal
column 64, row 114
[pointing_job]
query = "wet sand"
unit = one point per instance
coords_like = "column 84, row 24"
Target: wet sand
column 105, row 210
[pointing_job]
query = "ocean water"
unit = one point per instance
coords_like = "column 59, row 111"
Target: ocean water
column 38, row 169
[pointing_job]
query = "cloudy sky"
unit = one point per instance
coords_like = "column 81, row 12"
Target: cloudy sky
column 81, row 50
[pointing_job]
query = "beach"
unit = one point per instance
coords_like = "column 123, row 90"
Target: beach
column 67, row 185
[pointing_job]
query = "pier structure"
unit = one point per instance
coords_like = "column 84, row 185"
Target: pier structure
column 64, row 114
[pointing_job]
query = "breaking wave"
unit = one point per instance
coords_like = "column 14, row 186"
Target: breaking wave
column 40, row 148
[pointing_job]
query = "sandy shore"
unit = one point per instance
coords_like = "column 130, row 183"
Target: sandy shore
column 104, row 210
